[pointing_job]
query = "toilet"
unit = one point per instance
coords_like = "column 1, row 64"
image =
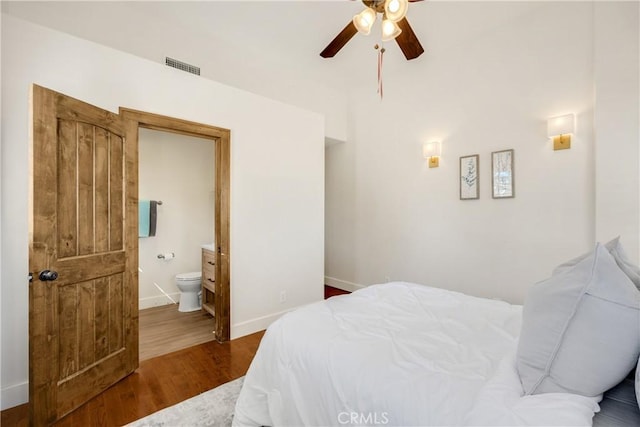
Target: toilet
column 189, row 286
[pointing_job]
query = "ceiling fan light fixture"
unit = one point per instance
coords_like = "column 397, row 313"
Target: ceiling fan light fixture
column 395, row 10
column 390, row 30
column 364, row 20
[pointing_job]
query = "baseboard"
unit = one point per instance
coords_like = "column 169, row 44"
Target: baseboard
column 14, row 395
column 342, row 284
column 157, row 301
column 254, row 325
column 261, row 323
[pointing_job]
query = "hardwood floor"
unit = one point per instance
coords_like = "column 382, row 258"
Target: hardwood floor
column 158, row 383
column 330, row 291
column 164, row 330
column 164, row 380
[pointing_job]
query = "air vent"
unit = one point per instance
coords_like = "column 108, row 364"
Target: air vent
column 182, row 66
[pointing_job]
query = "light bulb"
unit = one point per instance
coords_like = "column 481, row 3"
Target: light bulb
column 395, row 10
column 364, row 20
column 390, row 30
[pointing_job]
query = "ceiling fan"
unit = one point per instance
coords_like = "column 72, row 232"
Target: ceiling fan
column 394, row 26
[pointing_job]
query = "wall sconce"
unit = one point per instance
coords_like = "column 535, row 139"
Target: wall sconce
column 431, row 151
column 560, row 129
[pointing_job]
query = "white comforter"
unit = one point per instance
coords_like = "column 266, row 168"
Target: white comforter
column 393, row 354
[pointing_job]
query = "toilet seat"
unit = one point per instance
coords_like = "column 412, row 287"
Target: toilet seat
column 184, row 277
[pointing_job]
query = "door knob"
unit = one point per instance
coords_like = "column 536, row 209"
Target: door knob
column 47, row 275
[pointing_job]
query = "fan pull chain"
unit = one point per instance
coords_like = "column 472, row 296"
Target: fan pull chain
column 380, row 57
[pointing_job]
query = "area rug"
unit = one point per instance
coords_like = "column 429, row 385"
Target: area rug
column 211, row 408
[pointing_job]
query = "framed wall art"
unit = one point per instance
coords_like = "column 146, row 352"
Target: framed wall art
column 502, row 174
column 469, row 177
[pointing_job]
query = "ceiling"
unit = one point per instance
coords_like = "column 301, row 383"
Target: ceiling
column 244, row 43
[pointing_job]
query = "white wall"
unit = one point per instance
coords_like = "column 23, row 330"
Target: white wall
column 389, row 216
column 617, row 113
column 277, row 188
column 230, row 28
column 179, row 171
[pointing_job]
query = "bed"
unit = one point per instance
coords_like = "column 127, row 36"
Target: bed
column 409, row 354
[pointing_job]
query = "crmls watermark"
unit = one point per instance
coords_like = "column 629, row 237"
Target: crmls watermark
column 363, row 418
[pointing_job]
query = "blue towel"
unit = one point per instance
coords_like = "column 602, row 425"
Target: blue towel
column 144, row 217
column 147, row 217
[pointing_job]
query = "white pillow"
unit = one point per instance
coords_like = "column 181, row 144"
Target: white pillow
column 618, row 253
column 580, row 329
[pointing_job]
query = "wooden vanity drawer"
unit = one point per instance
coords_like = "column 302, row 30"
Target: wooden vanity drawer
column 208, row 278
column 208, row 259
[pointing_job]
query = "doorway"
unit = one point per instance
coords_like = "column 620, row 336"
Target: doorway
column 176, row 173
column 221, row 224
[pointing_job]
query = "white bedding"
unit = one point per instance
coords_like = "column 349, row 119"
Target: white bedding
column 501, row 403
column 393, row 354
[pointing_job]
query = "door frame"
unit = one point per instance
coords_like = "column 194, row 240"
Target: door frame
column 222, row 139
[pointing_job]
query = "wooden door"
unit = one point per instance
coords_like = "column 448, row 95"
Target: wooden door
column 83, row 325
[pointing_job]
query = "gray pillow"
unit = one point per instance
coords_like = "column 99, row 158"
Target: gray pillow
column 580, row 329
column 618, row 253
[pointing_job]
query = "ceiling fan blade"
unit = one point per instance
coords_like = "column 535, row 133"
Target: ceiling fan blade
column 341, row 39
column 407, row 40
